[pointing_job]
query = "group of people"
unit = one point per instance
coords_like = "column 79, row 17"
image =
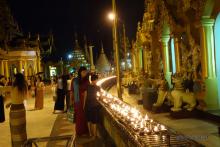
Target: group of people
column 80, row 94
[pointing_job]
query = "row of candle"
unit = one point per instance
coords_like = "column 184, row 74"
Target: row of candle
column 143, row 125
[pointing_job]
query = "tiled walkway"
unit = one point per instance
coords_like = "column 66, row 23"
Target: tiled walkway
column 201, row 131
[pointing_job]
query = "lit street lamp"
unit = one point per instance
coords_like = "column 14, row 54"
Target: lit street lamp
column 113, row 17
column 70, row 56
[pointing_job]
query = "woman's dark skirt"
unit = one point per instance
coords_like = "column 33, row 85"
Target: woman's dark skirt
column 92, row 114
column 59, row 104
column 18, row 125
column 2, row 111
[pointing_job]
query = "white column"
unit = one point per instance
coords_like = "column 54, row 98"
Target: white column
column 2, row 67
column 20, row 66
column 6, row 69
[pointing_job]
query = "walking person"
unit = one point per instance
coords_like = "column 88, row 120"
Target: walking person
column 2, row 110
column 59, row 104
column 79, row 86
column 39, row 99
column 17, row 114
column 92, row 106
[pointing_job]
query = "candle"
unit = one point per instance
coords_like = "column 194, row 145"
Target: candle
column 156, row 129
column 162, row 127
column 146, row 117
column 98, row 94
column 142, row 124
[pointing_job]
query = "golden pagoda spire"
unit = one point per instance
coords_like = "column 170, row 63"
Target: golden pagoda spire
column 102, row 48
column 77, row 47
column 86, row 48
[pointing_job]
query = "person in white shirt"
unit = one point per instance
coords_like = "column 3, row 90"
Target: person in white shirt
column 59, row 104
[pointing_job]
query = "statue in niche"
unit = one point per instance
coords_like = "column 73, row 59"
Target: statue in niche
column 199, row 88
column 180, row 95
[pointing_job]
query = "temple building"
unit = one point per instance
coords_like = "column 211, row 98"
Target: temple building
column 102, row 64
column 181, row 37
column 17, row 53
column 78, row 57
column 24, row 57
column 20, row 53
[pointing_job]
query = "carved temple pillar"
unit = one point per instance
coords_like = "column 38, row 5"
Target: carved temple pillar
column 166, row 58
column 35, row 66
column 20, row 66
column 208, row 63
column 208, row 50
column 145, row 62
column 2, row 67
column 38, row 65
column 137, row 62
column 141, row 59
column 6, row 69
column 133, row 61
column 25, row 69
column 177, row 55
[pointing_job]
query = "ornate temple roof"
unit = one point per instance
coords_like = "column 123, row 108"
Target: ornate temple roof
column 102, row 64
column 8, row 26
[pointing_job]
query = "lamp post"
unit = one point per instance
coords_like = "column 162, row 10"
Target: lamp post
column 125, row 46
column 113, row 17
column 91, row 59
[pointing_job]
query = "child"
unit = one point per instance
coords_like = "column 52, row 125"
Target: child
column 91, row 106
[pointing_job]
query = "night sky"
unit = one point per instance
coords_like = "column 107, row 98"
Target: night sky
column 86, row 17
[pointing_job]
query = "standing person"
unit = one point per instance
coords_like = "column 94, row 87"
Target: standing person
column 2, row 111
column 17, row 111
column 29, row 83
column 68, row 103
column 59, row 104
column 54, row 88
column 39, row 99
column 79, row 86
column 92, row 106
column 65, row 88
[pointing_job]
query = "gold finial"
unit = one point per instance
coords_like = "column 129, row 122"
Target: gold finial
column 102, row 48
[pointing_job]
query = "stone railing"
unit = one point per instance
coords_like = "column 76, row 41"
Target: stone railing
column 127, row 127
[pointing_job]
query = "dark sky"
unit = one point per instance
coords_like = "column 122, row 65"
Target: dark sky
column 86, row 17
